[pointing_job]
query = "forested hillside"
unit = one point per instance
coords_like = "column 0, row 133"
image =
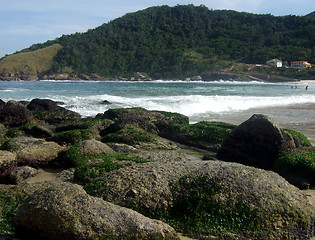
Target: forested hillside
column 183, row 40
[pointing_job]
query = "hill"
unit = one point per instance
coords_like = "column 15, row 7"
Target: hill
column 30, row 63
column 312, row 14
column 180, row 41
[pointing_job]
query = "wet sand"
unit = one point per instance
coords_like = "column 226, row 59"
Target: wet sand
column 43, row 175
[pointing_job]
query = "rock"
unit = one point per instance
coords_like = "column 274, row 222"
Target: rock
column 49, row 111
column 8, row 164
column 22, row 173
column 122, row 148
column 66, row 175
column 204, row 135
column 106, row 102
column 244, row 201
column 14, row 114
column 40, row 132
column 162, row 155
column 256, row 142
column 151, row 121
column 3, row 129
column 2, row 103
column 34, row 151
column 65, row 211
column 71, row 127
column 94, row 147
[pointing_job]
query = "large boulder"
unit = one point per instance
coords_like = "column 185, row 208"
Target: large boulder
column 212, row 198
column 49, row 111
column 8, row 164
column 204, row 135
column 66, row 211
column 2, row 103
column 256, row 142
column 34, row 152
column 14, row 114
column 151, row 121
column 94, row 147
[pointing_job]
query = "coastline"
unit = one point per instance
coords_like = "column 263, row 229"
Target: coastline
column 206, row 77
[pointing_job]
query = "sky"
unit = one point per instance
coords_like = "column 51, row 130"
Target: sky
column 27, row 22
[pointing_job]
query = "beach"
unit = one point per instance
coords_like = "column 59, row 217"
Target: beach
column 298, row 117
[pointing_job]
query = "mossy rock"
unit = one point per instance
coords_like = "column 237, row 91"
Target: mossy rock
column 81, row 153
column 205, row 135
column 10, row 200
column 91, row 168
column 213, row 198
column 152, row 121
column 299, row 139
column 297, row 166
column 33, row 151
column 131, row 135
column 65, row 211
column 72, row 136
column 49, row 111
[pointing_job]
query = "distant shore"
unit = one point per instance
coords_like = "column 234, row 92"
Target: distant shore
column 211, row 76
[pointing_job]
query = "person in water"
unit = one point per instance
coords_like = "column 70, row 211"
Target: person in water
column 306, row 88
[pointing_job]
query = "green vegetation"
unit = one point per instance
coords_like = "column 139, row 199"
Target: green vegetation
column 298, row 163
column 168, row 42
column 90, row 175
column 185, row 40
column 30, row 63
column 10, row 201
column 204, row 134
column 299, row 138
column 211, row 132
column 71, row 137
column 130, row 135
column 196, row 209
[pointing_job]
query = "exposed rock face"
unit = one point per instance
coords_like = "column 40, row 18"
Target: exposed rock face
column 122, row 148
column 22, row 173
column 48, row 110
column 281, row 210
column 34, row 151
column 15, row 114
column 95, row 147
column 162, row 155
column 8, row 163
column 256, row 142
column 65, row 211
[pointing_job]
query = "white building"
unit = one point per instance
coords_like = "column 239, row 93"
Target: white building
column 275, row 63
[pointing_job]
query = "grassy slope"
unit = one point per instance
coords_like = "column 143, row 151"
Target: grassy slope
column 30, row 63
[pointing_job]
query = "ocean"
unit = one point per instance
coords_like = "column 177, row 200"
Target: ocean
column 228, row 101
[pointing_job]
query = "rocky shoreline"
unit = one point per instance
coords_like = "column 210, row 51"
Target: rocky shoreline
column 213, row 76
column 124, row 168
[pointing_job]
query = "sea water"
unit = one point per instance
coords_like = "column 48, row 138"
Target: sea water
column 211, row 101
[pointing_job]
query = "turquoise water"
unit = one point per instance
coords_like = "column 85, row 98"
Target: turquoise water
column 197, row 100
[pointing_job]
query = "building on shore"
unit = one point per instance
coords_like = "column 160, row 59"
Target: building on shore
column 300, row 65
column 275, row 63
